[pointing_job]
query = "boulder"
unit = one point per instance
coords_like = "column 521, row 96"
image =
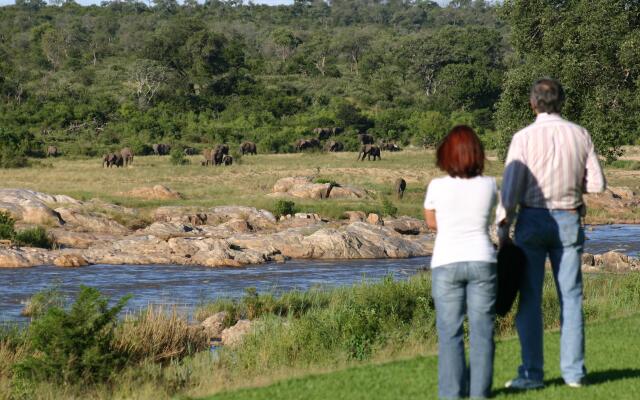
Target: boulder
column 355, row 216
column 32, row 207
column 166, row 230
column 78, row 240
column 90, row 222
column 70, row 261
column 614, row 261
column 588, row 259
column 311, row 216
column 375, row 219
column 214, row 325
column 305, row 188
column 406, row 225
column 157, row 192
column 256, row 219
column 233, row 336
column 24, row 257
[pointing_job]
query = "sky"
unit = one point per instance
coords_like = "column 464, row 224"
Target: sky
column 86, row 2
column 269, row 2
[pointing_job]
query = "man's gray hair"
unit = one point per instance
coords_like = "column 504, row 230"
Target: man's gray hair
column 547, row 96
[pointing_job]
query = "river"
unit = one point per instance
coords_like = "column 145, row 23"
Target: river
column 186, row 287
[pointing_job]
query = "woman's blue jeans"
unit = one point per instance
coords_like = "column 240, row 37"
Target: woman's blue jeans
column 456, row 288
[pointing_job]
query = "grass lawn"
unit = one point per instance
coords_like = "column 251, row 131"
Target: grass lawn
column 613, row 359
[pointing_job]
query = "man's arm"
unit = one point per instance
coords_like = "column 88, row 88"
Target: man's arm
column 594, row 180
column 513, row 181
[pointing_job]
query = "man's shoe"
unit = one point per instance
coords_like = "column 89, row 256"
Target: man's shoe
column 575, row 384
column 520, row 383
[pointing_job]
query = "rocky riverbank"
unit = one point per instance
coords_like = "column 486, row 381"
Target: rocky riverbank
column 94, row 232
column 88, row 233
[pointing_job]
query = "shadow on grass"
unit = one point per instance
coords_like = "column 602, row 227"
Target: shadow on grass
column 593, row 378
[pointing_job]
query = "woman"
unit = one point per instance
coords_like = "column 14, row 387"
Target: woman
column 458, row 207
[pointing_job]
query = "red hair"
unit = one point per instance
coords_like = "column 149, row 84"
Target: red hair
column 460, row 153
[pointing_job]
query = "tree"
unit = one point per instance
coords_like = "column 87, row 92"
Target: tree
column 590, row 46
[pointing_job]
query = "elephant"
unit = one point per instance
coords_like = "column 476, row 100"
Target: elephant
column 369, row 150
column 127, row 156
column 389, row 146
column 307, row 144
column 219, row 152
column 112, row 159
column 248, row 148
column 400, row 187
column 190, row 151
column 161, row 149
column 227, row 160
column 323, row 133
column 365, row 138
column 52, row 151
column 333, row 146
column 337, row 130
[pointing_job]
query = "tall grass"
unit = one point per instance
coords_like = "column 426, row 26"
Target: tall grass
column 295, row 333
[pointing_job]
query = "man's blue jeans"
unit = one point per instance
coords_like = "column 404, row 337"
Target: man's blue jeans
column 559, row 235
column 457, row 287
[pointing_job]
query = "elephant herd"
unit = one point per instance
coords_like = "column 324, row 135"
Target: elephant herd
column 219, row 155
column 368, row 149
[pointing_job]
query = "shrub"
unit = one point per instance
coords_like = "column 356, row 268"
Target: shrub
column 388, row 208
column 34, row 237
column 325, row 180
column 284, row 207
column 74, row 345
column 7, row 223
column 178, row 157
column 13, row 149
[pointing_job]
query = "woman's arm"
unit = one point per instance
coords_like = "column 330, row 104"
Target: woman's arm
column 430, row 219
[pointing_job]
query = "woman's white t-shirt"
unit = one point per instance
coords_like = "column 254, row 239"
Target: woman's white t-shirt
column 463, row 208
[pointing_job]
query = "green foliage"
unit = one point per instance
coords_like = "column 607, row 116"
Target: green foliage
column 34, row 237
column 388, row 208
column 284, row 207
column 13, row 149
column 178, row 157
column 7, row 226
column 631, row 165
column 581, row 43
column 74, row 345
column 326, row 180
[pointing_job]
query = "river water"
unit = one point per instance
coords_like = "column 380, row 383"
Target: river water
column 187, row 287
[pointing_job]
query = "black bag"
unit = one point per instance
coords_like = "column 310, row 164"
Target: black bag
column 511, row 263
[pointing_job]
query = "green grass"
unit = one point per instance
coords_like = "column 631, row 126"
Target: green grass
column 612, row 356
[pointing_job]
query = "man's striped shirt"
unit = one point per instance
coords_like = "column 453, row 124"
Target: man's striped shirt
column 550, row 164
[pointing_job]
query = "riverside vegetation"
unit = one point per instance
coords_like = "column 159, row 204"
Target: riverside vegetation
column 157, row 354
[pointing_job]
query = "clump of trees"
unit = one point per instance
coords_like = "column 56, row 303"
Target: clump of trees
column 593, row 48
column 93, row 79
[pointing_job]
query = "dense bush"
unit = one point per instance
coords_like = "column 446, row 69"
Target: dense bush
column 178, row 157
column 76, row 344
column 13, row 149
column 284, row 207
column 7, row 223
column 34, row 237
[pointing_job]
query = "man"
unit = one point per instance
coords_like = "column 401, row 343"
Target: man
column 550, row 164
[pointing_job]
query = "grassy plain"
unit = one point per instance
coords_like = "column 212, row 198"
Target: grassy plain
column 252, row 178
column 612, row 355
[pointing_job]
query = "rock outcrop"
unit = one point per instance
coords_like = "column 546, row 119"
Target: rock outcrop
column 214, row 325
column 32, row 207
column 256, row 219
column 305, row 188
column 611, row 261
column 617, row 201
column 234, row 335
column 157, row 192
column 81, row 220
column 70, row 261
column 25, row 257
